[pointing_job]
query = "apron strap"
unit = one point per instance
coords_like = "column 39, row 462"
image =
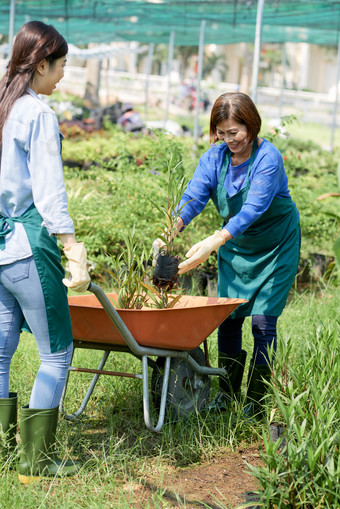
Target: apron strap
column 6, row 226
column 252, row 157
column 224, row 168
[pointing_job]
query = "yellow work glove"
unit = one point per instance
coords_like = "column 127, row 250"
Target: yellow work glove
column 201, row 252
column 77, row 267
column 157, row 246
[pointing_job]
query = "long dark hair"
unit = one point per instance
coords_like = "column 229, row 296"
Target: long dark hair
column 238, row 107
column 34, row 42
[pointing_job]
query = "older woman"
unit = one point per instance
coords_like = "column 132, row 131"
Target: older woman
column 258, row 245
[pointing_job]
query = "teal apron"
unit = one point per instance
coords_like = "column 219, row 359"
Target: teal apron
column 260, row 264
column 47, row 259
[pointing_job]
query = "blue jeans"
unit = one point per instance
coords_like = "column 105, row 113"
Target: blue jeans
column 264, row 333
column 21, row 297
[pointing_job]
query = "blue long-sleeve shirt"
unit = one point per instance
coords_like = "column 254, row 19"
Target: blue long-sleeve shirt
column 267, row 179
column 32, row 172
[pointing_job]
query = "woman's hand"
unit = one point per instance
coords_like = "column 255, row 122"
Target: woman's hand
column 202, row 250
column 77, row 266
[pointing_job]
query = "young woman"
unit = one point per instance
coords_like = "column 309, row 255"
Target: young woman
column 33, row 214
column 258, row 245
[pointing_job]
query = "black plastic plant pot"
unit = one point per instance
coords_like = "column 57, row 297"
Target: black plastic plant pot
column 165, row 272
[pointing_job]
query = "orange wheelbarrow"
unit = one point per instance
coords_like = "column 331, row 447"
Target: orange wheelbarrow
column 180, row 373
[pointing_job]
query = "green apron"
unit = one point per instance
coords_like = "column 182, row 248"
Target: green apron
column 260, row 264
column 47, row 259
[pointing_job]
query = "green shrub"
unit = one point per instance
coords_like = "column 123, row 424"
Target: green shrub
column 302, row 468
column 118, row 174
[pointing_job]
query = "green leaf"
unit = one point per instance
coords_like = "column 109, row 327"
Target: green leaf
column 336, row 247
column 151, row 289
column 175, row 300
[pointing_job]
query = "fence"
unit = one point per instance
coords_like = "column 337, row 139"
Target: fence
column 137, row 88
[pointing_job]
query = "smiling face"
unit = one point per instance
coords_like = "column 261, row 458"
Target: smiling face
column 47, row 75
column 234, row 112
column 235, row 135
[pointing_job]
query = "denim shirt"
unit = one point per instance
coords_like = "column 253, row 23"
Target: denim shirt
column 32, row 172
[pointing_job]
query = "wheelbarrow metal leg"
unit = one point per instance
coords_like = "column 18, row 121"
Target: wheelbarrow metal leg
column 146, row 400
column 75, row 415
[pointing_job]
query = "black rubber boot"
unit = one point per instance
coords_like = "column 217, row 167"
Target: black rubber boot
column 230, row 384
column 257, row 389
column 8, row 425
column 38, row 460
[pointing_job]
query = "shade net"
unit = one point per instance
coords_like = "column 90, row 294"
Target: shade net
column 152, row 21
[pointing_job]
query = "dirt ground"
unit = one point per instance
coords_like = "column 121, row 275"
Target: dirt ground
column 222, row 482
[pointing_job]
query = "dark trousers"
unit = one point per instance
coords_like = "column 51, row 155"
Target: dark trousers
column 264, row 332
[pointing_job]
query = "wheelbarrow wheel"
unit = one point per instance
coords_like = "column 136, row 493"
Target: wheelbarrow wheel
column 187, row 391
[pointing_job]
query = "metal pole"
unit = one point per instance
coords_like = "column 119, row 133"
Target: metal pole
column 257, row 47
column 335, row 107
column 170, row 59
column 304, row 66
column 11, row 28
column 147, row 78
column 199, row 77
column 283, row 74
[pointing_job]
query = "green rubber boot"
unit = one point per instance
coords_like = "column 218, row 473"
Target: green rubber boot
column 230, row 384
column 8, row 425
column 38, row 460
column 257, row 389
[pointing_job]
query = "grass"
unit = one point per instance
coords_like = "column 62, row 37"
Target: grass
column 119, row 454
column 319, row 134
